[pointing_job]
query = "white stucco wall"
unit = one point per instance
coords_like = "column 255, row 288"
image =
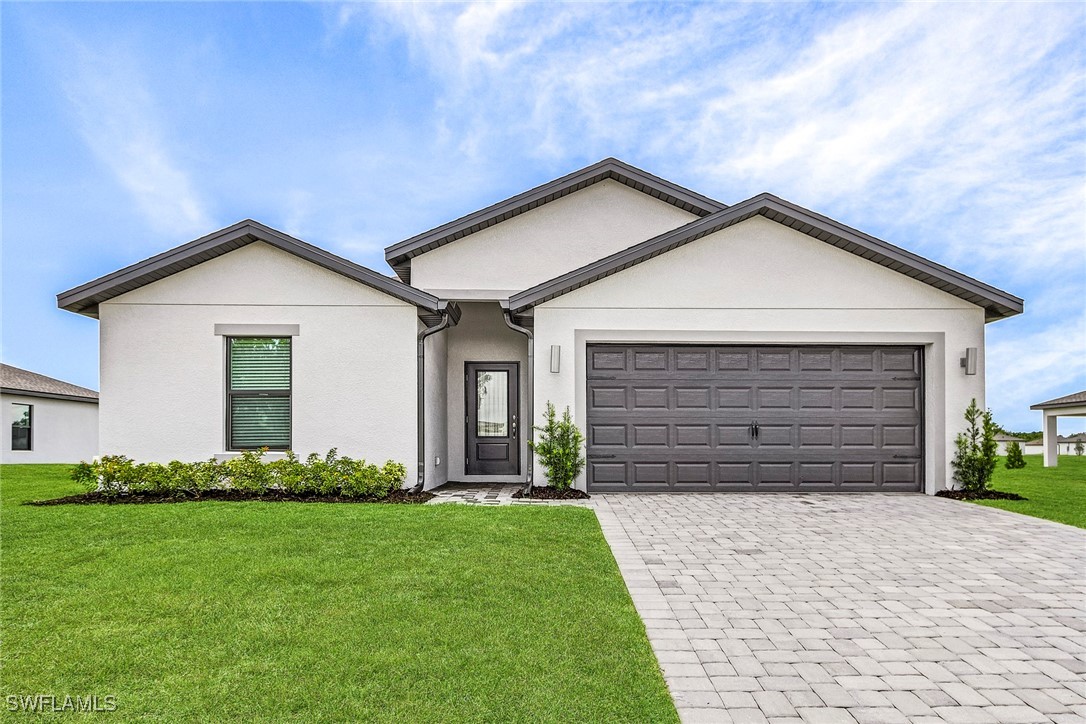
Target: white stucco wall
column 763, row 283
column 481, row 336
column 437, row 439
column 163, row 367
column 63, row 431
column 545, row 242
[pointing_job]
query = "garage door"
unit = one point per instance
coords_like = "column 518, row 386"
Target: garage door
column 700, row 418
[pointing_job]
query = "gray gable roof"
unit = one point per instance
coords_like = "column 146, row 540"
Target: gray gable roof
column 84, row 299
column 996, row 303
column 399, row 255
column 18, row 381
column 1073, row 400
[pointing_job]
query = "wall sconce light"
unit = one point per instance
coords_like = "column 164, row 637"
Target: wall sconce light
column 556, row 358
column 969, row 361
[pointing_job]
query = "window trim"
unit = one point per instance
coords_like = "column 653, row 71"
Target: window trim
column 230, row 395
column 29, row 430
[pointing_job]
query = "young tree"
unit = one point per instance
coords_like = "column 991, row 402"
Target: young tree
column 975, row 459
column 1014, row 456
column 1079, row 447
column 559, row 445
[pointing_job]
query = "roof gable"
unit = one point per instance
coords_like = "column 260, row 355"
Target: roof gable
column 399, row 255
column 85, row 298
column 996, row 303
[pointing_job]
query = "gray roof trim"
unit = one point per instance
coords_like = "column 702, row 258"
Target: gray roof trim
column 1075, row 399
column 48, row 395
column 997, row 303
column 85, row 298
column 399, row 255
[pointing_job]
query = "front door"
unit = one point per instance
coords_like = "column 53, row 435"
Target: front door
column 492, row 390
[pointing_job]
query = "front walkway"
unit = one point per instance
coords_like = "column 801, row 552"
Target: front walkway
column 863, row 608
column 489, row 494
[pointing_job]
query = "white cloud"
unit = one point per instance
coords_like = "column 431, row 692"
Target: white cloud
column 118, row 119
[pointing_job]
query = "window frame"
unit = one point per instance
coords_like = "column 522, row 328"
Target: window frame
column 29, row 429
column 231, row 394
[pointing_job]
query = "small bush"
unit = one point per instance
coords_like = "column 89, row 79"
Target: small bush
column 330, row 475
column 975, row 459
column 559, row 448
column 1014, row 456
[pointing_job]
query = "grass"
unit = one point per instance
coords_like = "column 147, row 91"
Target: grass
column 1057, row 493
column 271, row 611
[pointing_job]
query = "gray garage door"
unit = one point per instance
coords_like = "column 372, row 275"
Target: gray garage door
column 754, row 418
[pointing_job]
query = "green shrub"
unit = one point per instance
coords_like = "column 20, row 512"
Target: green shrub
column 1014, row 456
column 559, row 446
column 330, row 475
column 975, row 458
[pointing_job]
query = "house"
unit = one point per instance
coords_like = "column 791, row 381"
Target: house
column 1004, row 441
column 1073, row 405
column 1065, row 445
column 702, row 347
column 46, row 420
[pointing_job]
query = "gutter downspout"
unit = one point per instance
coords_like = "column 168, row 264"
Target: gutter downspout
column 446, row 321
column 530, row 427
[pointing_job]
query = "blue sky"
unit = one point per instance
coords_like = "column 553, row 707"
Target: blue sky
column 957, row 131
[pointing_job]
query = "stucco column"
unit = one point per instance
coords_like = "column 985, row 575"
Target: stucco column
column 1050, row 438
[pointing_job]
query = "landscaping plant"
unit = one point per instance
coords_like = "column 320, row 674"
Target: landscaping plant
column 1079, row 447
column 559, row 445
column 329, row 476
column 975, row 458
column 1015, row 460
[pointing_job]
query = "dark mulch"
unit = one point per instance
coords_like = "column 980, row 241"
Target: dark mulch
column 96, row 498
column 978, row 495
column 548, row 493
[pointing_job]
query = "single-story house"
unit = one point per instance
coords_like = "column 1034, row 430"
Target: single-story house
column 1003, row 441
column 1065, row 445
column 1073, row 405
column 700, row 346
column 46, row 420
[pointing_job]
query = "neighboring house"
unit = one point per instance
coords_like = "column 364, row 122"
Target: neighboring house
column 46, row 420
column 1004, row 441
column 1073, row 405
column 1065, row 445
column 759, row 346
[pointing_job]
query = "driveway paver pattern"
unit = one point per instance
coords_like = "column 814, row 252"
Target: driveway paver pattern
column 855, row 608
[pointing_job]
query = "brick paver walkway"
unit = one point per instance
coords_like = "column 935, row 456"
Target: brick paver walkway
column 865, row 608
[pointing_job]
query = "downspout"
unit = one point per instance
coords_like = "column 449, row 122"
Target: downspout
column 446, row 321
column 530, row 421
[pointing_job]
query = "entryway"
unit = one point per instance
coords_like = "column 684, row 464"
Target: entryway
column 492, row 425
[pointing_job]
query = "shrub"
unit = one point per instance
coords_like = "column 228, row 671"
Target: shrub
column 1014, row 456
column 559, row 448
column 330, row 475
column 975, row 458
column 1079, row 447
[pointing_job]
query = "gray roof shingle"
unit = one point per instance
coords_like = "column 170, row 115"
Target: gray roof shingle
column 1075, row 398
column 20, row 381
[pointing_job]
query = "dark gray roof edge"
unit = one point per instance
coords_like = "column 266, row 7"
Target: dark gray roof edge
column 607, row 168
column 1075, row 399
column 49, row 395
column 1008, row 304
column 85, row 296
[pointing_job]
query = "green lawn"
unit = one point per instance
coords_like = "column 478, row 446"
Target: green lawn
column 1057, row 493
column 269, row 611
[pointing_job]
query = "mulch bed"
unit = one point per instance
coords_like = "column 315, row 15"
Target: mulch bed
column 96, row 498
column 548, row 493
column 978, row 495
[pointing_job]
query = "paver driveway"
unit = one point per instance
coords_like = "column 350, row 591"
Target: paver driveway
column 866, row 608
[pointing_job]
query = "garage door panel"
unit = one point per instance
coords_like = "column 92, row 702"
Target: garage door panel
column 680, row 417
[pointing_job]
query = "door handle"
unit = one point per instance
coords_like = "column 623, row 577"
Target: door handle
column 514, row 427
column 757, row 430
